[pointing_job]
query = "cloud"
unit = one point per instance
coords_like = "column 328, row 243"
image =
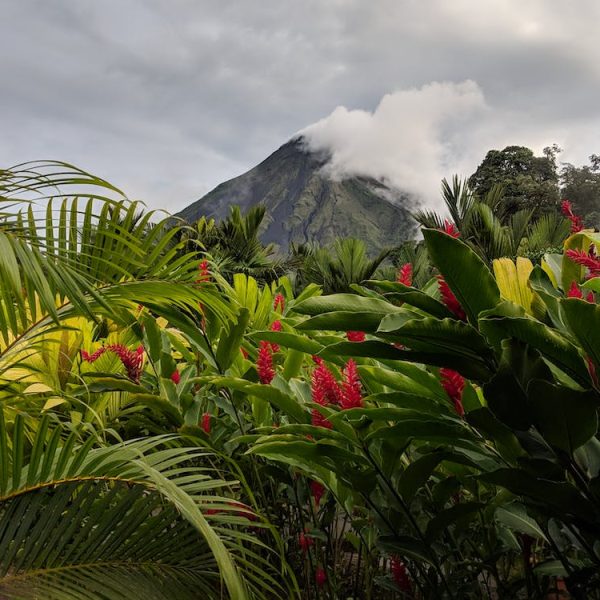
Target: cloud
column 411, row 140
column 417, row 136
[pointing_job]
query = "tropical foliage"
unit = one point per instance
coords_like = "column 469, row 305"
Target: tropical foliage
column 171, row 429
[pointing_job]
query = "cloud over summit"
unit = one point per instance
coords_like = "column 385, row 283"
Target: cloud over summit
column 411, row 140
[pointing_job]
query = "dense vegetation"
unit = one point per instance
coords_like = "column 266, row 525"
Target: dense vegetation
column 179, row 419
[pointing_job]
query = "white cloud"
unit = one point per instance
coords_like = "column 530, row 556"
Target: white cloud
column 411, row 139
column 416, row 137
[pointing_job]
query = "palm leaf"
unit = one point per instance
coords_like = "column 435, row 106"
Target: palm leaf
column 121, row 521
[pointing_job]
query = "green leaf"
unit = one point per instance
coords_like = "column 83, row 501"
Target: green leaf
column 411, row 296
column 229, row 343
column 289, row 340
column 344, row 303
column 342, row 321
column 551, row 344
column 554, row 498
column 567, row 419
column 447, row 338
column 467, row 275
column 277, row 398
column 583, row 318
column 506, row 393
column 459, row 513
column 571, row 271
column 419, row 471
column 515, row 517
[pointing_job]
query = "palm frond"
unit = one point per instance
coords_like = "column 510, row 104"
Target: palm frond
column 141, row 519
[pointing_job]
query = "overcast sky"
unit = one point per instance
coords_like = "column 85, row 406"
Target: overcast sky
column 167, row 98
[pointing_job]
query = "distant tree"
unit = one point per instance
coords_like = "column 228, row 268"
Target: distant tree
column 581, row 185
column 529, row 182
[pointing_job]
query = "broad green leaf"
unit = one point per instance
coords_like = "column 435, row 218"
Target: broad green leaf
column 515, row 517
column 277, row 398
column 571, row 271
column 412, row 296
column 467, row 275
column 583, row 318
column 230, row 341
column 287, row 339
column 550, row 343
column 344, row 303
column 567, row 419
column 447, row 338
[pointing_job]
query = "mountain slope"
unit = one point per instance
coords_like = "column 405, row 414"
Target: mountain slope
column 304, row 205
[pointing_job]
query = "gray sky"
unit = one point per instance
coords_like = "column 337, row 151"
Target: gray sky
column 167, row 98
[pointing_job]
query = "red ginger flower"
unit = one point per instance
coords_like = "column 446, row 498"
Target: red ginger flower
column 131, row 359
column 90, row 358
column 305, row 542
column 355, row 336
column 592, row 371
column 206, row 422
column 275, row 326
column 405, row 274
column 324, row 388
column 576, row 221
column 279, row 302
column 400, row 575
column 203, row 272
column 317, row 490
column 575, row 292
column 454, row 385
column 318, row 420
column 175, row 377
column 585, row 259
column 449, row 299
column 320, row 577
column 264, row 363
column 352, row 397
column 450, row 229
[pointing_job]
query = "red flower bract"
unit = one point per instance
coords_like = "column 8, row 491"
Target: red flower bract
column 405, row 274
column 400, row 574
column 355, row 336
column 324, row 388
column 264, row 363
column 317, row 490
column 90, row 358
column 575, row 292
column 279, row 302
column 275, row 326
column 203, row 272
column 175, row 377
column 450, row 229
column 132, row 360
column 318, row 420
column 454, row 385
column 585, row 259
column 305, row 542
column 352, row 395
column 320, row 577
column 206, row 422
column 576, row 221
column 449, row 299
